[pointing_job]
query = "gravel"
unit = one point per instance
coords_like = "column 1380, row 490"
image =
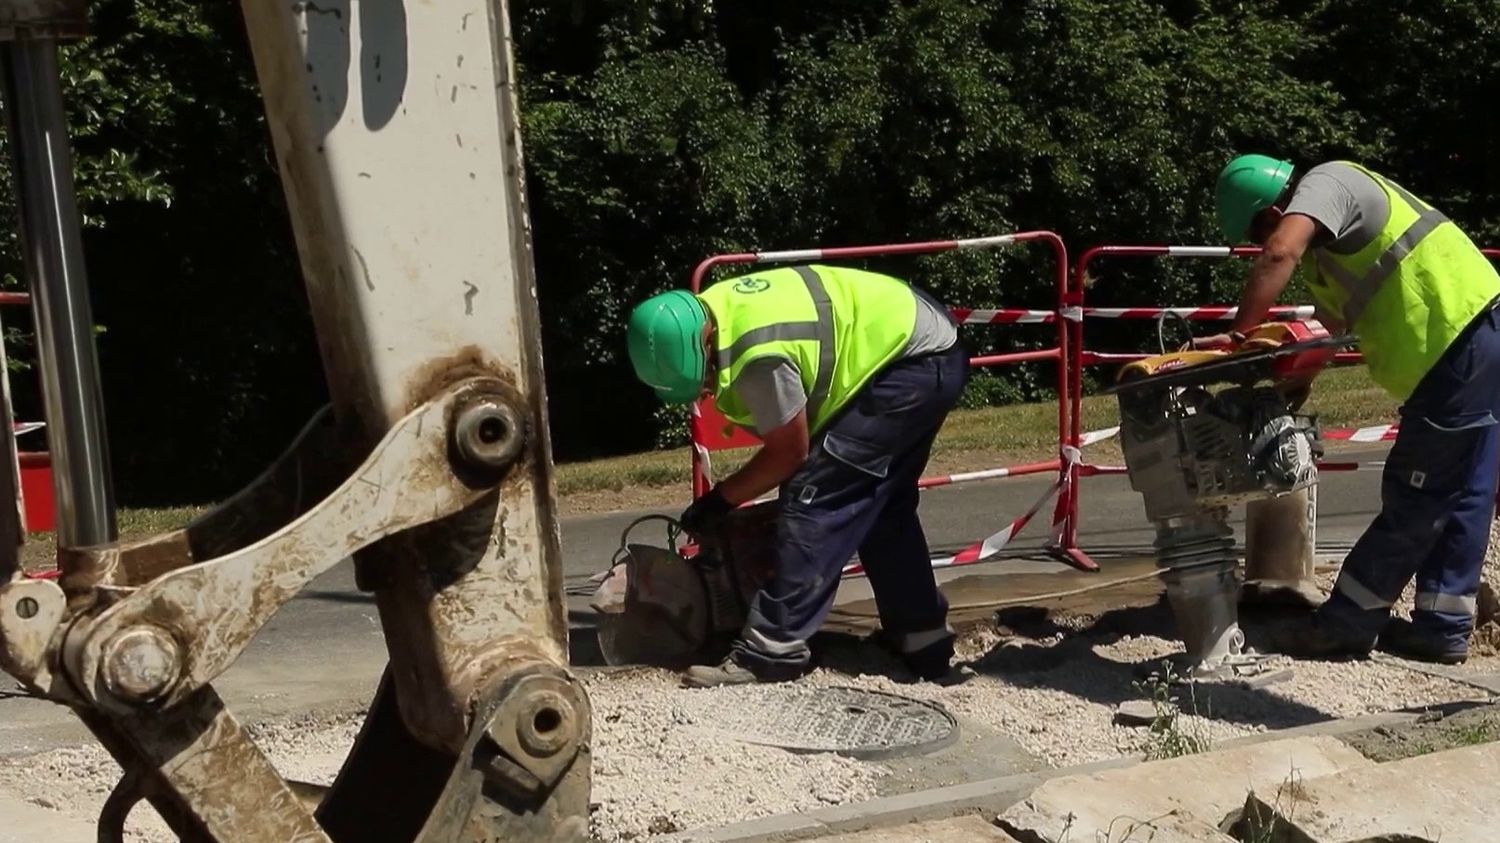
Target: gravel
column 75, row 781
column 659, row 767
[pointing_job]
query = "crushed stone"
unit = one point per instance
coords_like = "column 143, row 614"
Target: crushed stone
column 659, row 768
column 1487, row 626
column 75, row 781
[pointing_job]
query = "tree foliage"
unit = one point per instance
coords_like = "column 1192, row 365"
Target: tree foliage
column 662, row 131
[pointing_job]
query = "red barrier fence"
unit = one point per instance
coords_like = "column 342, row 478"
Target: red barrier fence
column 34, row 467
column 711, row 432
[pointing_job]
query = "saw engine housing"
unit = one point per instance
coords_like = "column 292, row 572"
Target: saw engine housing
column 1188, row 449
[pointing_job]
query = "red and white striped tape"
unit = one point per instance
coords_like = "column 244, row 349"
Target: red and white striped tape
column 1202, row 313
column 1378, row 433
column 990, row 546
column 1003, row 316
column 988, row 474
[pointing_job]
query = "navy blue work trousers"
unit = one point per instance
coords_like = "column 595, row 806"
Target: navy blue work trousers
column 857, row 491
column 1437, row 498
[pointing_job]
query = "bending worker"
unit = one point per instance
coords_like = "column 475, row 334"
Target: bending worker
column 846, row 377
column 1392, row 269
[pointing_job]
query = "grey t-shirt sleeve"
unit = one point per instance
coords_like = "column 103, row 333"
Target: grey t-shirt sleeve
column 1349, row 205
column 771, row 388
column 934, row 330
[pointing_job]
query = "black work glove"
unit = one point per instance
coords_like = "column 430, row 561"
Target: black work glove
column 705, row 513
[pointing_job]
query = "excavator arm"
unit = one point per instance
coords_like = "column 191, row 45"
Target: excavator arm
column 397, row 137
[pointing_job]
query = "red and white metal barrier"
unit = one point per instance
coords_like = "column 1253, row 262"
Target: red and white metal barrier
column 991, row 545
column 1079, row 357
column 712, row 432
column 34, row 468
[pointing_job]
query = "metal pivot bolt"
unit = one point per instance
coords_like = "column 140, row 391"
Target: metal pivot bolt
column 489, row 433
column 546, row 723
column 535, row 733
column 141, row 664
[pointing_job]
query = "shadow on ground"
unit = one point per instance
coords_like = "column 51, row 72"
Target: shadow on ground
column 1038, row 649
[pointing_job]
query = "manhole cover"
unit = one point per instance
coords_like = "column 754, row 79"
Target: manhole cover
column 810, row 718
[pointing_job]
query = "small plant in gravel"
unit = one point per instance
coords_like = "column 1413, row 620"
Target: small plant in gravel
column 1169, row 736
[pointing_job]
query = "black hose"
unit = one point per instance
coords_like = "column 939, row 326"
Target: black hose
column 1161, row 322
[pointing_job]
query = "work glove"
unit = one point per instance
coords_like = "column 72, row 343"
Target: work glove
column 705, row 513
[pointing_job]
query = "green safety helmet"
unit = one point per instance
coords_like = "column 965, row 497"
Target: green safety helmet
column 665, row 336
column 1248, row 185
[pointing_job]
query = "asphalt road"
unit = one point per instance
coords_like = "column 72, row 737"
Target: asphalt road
column 325, row 648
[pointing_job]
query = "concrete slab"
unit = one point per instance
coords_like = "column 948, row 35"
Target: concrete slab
column 970, row 829
column 22, row 822
column 1447, row 796
column 1178, row 799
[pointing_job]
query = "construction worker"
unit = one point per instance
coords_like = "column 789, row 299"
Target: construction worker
column 1387, row 266
column 845, row 376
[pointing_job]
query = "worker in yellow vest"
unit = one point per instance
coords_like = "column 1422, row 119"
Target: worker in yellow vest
column 1395, row 271
column 846, row 377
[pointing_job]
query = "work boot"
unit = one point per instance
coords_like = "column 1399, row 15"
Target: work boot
column 1405, row 639
column 727, row 672
column 1317, row 636
column 933, row 663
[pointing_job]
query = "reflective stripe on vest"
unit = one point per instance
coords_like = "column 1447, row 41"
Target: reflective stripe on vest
column 821, row 332
column 838, row 326
column 1362, row 289
column 1409, row 291
column 826, row 343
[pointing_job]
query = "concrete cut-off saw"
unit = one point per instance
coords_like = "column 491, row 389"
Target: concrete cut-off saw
column 676, row 606
column 1203, row 430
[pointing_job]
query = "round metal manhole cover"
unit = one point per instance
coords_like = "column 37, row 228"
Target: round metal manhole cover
column 810, row 718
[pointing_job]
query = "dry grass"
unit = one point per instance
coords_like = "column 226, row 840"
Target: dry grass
column 975, row 438
column 972, row 439
column 40, row 551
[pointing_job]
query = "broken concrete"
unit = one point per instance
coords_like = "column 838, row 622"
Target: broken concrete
column 1447, row 796
column 1179, row 799
column 1138, row 713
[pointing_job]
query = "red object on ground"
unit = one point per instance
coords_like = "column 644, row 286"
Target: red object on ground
column 36, row 492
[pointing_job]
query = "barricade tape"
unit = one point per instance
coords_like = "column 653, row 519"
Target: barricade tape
column 1374, row 465
column 990, row 546
column 1203, row 313
column 1378, row 433
column 1003, row 316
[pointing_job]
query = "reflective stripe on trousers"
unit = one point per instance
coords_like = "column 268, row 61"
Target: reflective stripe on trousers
column 1437, row 497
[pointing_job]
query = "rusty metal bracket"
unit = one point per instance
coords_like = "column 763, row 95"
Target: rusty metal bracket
column 30, row 612
column 525, row 771
column 161, row 642
column 310, row 468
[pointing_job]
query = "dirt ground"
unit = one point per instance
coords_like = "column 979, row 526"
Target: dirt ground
column 1042, row 692
column 1436, row 733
